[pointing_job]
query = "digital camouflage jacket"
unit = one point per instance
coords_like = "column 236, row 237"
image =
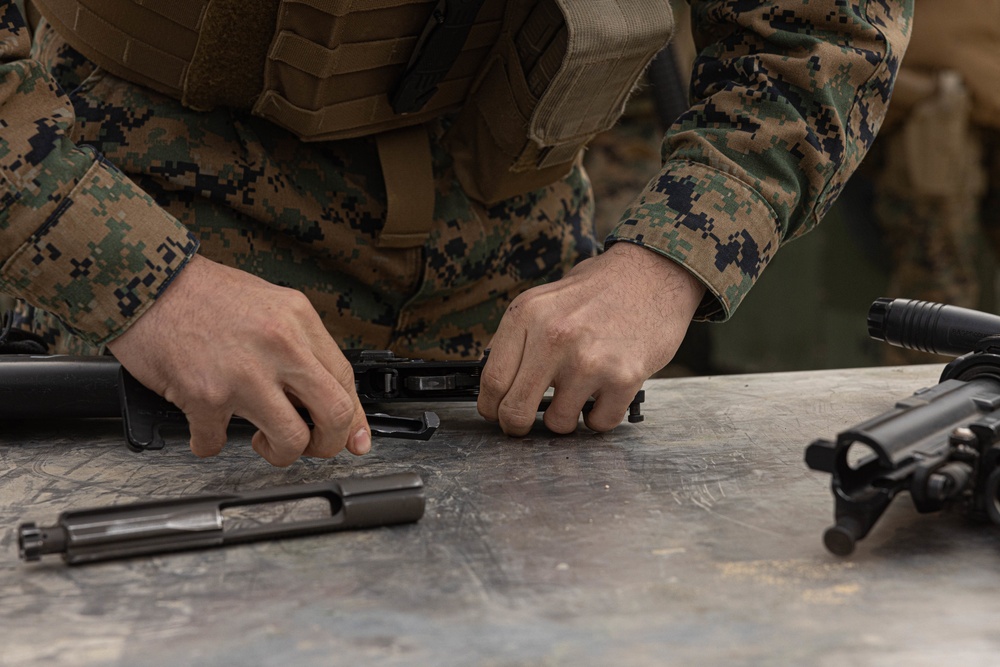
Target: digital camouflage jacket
column 787, row 97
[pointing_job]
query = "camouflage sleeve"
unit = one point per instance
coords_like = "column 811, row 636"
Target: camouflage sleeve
column 77, row 238
column 787, row 98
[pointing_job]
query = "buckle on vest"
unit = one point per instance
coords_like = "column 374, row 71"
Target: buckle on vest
column 437, row 50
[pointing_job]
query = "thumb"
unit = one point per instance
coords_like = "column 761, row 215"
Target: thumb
column 359, row 438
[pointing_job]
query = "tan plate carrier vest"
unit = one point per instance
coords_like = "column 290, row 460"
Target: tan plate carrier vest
column 535, row 79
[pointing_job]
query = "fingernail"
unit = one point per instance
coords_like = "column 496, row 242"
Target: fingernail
column 362, row 442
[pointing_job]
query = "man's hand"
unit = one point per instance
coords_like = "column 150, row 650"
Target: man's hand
column 600, row 332
column 220, row 342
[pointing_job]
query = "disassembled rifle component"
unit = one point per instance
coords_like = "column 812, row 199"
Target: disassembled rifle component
column 197, row 522
column 940, row 444
column 57, row 386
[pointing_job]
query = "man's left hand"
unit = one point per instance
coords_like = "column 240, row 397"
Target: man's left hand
column 600, row 332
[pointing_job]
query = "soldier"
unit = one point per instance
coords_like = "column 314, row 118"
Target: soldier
column 166, row 206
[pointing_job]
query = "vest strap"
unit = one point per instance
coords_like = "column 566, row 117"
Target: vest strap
column 409, row 185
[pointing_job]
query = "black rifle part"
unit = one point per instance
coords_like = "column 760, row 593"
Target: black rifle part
column 940, row 444
column 930, row 327
column 58, row 387
column 33, row 387
column 198, row 522
column 16, row 341
column 146, row 415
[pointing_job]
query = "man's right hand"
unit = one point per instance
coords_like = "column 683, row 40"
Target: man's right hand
column 221, row 342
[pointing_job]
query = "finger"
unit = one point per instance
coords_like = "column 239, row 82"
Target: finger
column 267, row 451
column 358, row 438
column 283, row 434
column 610, row 406
column 336, row 424
column 361, row 440
column 501, row 368
column 518, row 410
column 343, row 422
column 208, row 432
column 563, row 413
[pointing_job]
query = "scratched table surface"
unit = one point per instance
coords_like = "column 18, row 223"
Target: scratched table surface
column 692, row 538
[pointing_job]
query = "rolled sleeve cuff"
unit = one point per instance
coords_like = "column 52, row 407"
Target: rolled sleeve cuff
column 102, row 257
column 714, row 225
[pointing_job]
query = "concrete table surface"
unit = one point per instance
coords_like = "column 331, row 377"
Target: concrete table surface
column 692, row 538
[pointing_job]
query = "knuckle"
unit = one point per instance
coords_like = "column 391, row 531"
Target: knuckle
column 325, row 447
column 516, row 417
column 212, row 399
column 336, row 404
column 297, row 436
column 279, row 455
column 202, row 395
column 490, row 383
column 560, row 421
column 296, row 299
column 299, row 304
column 588, row 363
column 552, row 337
column 276, row 333
column 609, row 373
column 206, row 449
column 280, row 459
column 486, row 410
column 604, row 421
column 557, row 333
column 341, row 369
column 289, row 441
column 340, row 410
column 522, row 307
column 623, row 380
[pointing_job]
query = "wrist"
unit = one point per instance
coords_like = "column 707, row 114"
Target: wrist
column 660, row 273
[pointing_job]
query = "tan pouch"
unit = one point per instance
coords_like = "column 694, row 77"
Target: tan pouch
column 560, row 73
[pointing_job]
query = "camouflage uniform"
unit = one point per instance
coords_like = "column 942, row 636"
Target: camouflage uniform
column 788, row 96
column 307, row 216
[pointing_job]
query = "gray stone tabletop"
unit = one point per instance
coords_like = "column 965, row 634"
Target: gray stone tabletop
column 691, row 538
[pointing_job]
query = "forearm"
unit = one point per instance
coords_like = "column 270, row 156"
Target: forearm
column 788, row 97
column 77, row 238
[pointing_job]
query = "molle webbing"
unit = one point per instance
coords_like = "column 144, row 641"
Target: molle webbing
column 553, row 71
column 205, row 53
column 148, row 42
column 320, row 68
column 534, row 81
column 333, row 65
